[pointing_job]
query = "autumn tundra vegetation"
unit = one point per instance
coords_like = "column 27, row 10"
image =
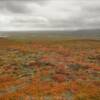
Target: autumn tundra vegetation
column 49, row 69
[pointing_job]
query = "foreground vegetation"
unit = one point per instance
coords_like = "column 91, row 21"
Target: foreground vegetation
column 43, row 69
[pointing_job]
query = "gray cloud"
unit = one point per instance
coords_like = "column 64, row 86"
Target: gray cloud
column 52, row 14
column 14, row 7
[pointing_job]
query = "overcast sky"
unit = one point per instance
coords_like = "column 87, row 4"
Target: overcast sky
column 49, row 14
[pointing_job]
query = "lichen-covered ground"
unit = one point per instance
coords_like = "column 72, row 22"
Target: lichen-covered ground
column 49, row 69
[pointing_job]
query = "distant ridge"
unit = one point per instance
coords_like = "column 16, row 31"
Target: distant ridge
column 80, row 34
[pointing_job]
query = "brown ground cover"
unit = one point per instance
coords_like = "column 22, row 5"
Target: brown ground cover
column 49, row 69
